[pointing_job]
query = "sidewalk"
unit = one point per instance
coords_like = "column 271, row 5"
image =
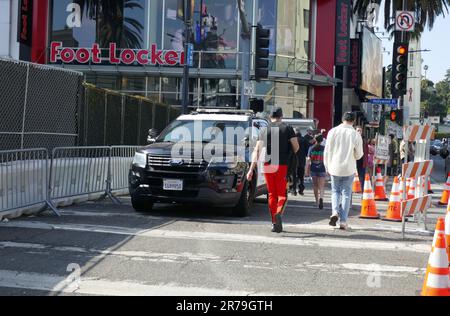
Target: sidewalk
column 314, row 218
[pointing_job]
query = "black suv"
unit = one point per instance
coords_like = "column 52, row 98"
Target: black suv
column 201, row 158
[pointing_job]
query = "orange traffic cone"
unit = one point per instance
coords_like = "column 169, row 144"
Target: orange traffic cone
column 440, row 230
column 380, row 191
column 437, row 281
column 394, row 209
column 411, row 193
column 430, row 190
column 447, row 230
column 357, row 185
column 368, row 207
column 446, row 194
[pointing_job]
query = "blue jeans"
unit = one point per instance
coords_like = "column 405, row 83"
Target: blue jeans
column 341, row 196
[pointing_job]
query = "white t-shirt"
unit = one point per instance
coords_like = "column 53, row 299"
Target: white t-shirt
column 343, row 148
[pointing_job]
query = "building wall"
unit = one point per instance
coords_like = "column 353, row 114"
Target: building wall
column 9, row 47
column 325, row 57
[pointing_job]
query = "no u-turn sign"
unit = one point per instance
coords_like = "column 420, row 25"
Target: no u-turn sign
column 405, row 21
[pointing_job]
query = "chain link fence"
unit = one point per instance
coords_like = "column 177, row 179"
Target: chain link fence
column 49, row 107
column 39, row 105
column 110, row 118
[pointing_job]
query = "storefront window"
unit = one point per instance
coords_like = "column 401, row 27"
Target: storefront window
column 218, row 92
column 80, row 23
column 173, row 27
column 267, row 17
column 217, row 33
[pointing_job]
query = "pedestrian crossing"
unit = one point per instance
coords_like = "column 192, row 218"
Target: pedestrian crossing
column 188, row 257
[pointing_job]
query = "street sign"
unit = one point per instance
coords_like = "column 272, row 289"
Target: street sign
column 435, row 119
column 395, row 129
column 405, row 21
column 190, row 56
column 382, row 148
column 391, row 102
column 248, row 88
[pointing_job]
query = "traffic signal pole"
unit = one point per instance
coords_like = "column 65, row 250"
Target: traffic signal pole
column 246, row 35
column 187, row 42
column 402, row 97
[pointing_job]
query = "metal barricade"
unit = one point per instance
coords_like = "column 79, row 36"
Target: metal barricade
column 77, row 171
column 24, row 180
column 121, row 160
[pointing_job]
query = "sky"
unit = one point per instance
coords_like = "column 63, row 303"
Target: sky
column 437, row 40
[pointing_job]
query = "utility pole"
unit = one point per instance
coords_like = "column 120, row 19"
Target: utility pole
column 187, row 44
column 246, row 35
column 402, row 97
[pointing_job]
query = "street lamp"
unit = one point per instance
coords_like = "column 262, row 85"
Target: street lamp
column 426, row 69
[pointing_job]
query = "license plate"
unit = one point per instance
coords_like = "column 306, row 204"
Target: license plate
column 173, row 185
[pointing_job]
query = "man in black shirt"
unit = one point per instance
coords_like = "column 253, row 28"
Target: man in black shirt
column 279, row 140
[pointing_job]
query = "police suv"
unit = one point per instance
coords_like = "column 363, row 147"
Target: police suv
column 200, row 158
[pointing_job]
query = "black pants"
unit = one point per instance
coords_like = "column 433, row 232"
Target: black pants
column 301, row 177
column 362, row 176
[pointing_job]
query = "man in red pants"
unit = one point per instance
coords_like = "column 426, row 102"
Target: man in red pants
column 280, row 142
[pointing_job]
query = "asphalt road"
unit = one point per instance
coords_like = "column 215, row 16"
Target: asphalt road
column 439, row 174
column 105, row 249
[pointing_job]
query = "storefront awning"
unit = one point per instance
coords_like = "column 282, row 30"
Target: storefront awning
column 290, row 77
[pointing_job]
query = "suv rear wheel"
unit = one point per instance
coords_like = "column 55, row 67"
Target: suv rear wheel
column 141, row 205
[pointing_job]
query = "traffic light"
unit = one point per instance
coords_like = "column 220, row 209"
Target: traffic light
column 257, row 105
column 396, row 116
column 400, row 70
column 262, row 53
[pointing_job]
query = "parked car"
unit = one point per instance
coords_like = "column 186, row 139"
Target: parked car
column 435, row 147
column 162, row 173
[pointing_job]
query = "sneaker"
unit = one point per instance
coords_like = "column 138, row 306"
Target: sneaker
column 333, row 220
column 278, row 224
column 344, row 226
column 321, row 204
column 274, row 228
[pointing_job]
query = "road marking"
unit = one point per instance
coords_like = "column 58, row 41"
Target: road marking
column 320, row 227
column 148, row 256
column 396, row 246
column 59, row 284
column 144, row 255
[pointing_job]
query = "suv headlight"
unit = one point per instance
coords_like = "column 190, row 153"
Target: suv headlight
column 140, row 160
column 229, row 163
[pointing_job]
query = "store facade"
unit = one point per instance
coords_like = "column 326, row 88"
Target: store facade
column 136, row 47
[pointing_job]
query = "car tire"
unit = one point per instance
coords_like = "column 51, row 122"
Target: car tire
column 141, row 205
column 243, row 208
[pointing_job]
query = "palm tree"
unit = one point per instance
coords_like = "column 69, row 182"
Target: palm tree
column 112, row 25
column 426, row 11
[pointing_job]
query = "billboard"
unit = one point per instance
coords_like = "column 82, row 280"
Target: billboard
column 372, row 64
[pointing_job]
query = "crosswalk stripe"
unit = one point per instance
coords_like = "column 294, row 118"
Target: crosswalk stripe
column 59, row 284
column 321, row 227
column 149, row 256
column 223, row 237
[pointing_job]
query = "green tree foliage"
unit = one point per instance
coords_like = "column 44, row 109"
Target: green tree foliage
column 112, row 24
column 426, row 12
column 436, row 97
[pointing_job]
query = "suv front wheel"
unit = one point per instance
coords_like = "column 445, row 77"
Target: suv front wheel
column 243, row 208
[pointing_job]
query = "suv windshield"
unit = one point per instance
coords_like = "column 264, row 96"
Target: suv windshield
column 223, row 132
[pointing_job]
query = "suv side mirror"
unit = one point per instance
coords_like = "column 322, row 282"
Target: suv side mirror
column 152, row 135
